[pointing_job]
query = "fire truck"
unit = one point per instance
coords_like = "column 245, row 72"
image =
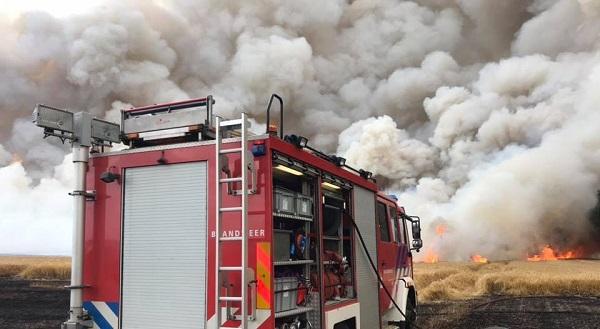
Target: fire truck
column 200, row 223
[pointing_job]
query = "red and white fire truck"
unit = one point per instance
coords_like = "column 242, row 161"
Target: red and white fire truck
column 201, row 224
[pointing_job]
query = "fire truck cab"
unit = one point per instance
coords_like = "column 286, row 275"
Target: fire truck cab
column 201, row 224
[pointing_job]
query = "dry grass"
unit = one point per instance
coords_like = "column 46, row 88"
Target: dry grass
column 35, row 267
column 454, row 281
column 435, row 282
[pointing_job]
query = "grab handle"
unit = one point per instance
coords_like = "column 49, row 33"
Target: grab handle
column 280, row 129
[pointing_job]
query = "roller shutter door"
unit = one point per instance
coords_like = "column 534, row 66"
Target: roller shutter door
column 164, row 247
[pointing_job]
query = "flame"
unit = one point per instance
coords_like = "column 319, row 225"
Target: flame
column 43, row 71
column 550, row 254
column 431, row 256
column 479, row 259
column 16, row 158
column 440, row 229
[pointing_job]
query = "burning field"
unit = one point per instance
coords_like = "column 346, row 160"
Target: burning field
column 436, row 250
column 455, row 281
column 548, row 271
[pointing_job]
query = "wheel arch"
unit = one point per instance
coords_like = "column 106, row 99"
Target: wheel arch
column 404, row 290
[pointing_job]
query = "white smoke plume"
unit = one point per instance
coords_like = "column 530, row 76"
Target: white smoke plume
column 478, row 114
column 35, row 217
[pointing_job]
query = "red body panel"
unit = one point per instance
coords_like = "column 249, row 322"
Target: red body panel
column 102, row 250
column 102, row 258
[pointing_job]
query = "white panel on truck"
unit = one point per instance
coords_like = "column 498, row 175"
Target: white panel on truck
column 367, row 284
column 163, row 282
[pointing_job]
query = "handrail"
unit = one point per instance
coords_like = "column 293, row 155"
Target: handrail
column 280, row 114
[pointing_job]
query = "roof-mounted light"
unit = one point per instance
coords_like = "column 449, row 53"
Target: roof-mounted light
column 338, row 161
column 365, row 174
column 298, row 141
column 78, row 127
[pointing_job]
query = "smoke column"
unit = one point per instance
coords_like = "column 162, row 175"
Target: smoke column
column 481, row 115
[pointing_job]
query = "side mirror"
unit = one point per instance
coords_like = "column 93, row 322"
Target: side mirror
column 416, row 229
column 417, row 243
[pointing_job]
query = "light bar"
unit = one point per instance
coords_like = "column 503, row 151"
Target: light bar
column 166, row 133
column 329, row 185
column 289, row 170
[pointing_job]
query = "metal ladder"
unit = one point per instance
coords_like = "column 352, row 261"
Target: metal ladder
column 247, row 275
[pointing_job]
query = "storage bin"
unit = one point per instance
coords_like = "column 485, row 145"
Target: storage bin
column 284, row 201
column 304, row 206
column 283, row 241
column 285, row 298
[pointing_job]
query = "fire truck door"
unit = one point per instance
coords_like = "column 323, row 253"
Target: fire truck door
column 368, row 294
column 403, row 255
column 387, row 251
column 164, row 247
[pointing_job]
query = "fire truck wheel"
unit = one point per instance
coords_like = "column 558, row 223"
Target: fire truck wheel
column 341, row 325
column 411, row 315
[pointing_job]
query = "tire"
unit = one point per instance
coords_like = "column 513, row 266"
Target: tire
column 341, row 325
column 411, row 314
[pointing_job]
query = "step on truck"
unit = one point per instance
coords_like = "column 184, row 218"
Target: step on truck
column 200, row 223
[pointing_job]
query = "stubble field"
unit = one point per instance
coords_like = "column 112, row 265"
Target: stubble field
column 35, row 267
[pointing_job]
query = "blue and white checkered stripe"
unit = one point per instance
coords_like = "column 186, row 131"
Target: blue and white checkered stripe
column 105, row 315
